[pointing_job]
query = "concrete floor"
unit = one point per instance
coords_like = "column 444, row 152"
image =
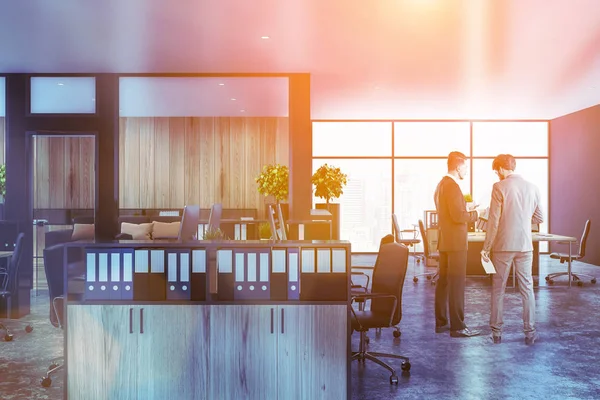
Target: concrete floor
column 563, row 364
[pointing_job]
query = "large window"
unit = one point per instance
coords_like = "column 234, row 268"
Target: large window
column 394, row 167
column 366, row 204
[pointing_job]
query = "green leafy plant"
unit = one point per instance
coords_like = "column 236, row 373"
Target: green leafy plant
column 3, row 179
column 264, row 231
column 214, row 234
column 274, row 181
column 329, row 182
column 468, row 198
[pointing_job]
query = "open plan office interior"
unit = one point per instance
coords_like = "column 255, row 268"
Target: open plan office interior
column 163, row 231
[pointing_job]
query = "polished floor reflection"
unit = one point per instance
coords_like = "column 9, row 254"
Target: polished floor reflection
column 562, row 364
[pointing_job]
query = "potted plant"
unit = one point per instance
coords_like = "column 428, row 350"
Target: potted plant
column 329, row 183
column 468, row 200
column 274, row 181
column 264, row 231
column 214, row 234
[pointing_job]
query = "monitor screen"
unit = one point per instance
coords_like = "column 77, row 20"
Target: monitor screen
column 188, row 228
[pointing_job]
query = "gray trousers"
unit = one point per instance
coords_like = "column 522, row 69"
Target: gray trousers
column 523, row 262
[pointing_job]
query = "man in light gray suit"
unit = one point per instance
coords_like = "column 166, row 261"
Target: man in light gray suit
column 515, row 205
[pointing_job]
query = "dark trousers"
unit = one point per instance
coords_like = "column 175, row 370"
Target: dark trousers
column 450, row 290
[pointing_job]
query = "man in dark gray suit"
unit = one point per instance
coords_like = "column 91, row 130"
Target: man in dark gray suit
column 515, row 205
column 453, row 217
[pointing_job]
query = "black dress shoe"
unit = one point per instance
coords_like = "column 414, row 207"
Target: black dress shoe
column 442, row 329
column 466, row 332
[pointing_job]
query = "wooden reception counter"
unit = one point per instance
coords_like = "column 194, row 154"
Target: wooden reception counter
column 209, row 320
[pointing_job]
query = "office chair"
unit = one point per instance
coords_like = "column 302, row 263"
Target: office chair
column 386, row 304
column 564, row 257
column 409, row 242
column 54, row 267
column 427, row 255
column 357, row 271
column 9, row 284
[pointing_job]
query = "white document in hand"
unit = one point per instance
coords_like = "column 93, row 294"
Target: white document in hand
column 488, row 266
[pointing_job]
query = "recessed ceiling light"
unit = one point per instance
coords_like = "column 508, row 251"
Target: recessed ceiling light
column 232, row 99
column 265, row 37
column 61, row 84
column 242, row 110
column 221, row 84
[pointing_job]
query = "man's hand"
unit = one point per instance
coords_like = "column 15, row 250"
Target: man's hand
column 485, row 255
column 473, row 208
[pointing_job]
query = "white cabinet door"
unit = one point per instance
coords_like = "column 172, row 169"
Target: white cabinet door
column 101, row 352
column 313, row 352
column 243, row 352
column 172, row 351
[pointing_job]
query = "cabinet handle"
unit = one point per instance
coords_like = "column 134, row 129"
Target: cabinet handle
column 131, row 320
column 282, row 319
column 272, row 320
column 141, row 320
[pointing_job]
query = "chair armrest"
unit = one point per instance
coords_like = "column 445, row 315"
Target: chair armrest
column 357, row 273
column 370, row 296
column 363, row 267
column 4, row 284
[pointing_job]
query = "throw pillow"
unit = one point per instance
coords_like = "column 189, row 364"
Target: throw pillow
column 165, row 230
column 137, row 231
column 83, row 232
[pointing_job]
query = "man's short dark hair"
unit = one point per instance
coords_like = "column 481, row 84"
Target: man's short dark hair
column 505, row 161
column 455, row 159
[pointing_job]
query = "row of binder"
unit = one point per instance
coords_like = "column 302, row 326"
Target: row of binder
column 243, row 274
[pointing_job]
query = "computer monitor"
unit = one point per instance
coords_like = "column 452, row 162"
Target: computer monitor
column 214, row 220
column 188, row 228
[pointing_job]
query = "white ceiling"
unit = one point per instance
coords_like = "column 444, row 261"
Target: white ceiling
column 376, row 59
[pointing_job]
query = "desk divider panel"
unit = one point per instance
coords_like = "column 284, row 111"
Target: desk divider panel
column 109, row 274
column 252, row 277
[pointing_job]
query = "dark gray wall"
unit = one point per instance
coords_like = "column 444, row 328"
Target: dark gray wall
column 575, row 177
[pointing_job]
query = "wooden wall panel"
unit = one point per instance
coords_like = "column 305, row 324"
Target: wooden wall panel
column 87, row 172
column 129, row 163
column 64, row 172
column 177, row 179
column 191, row 162
column 147, row 162
column 197, row 160
column 162, row 158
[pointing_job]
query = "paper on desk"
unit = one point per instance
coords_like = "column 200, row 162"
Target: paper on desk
column 488, row 266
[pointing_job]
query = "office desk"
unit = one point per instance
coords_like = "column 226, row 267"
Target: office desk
column 476, row 240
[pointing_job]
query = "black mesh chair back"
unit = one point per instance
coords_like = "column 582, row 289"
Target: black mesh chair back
column 584, row 236
column 10, row 285
column 388, row 277
column 424, row 237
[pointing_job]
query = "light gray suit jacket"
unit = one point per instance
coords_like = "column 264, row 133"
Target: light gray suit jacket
column 514, row 207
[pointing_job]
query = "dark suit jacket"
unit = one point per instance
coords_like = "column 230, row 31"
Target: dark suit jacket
column 452, row 216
